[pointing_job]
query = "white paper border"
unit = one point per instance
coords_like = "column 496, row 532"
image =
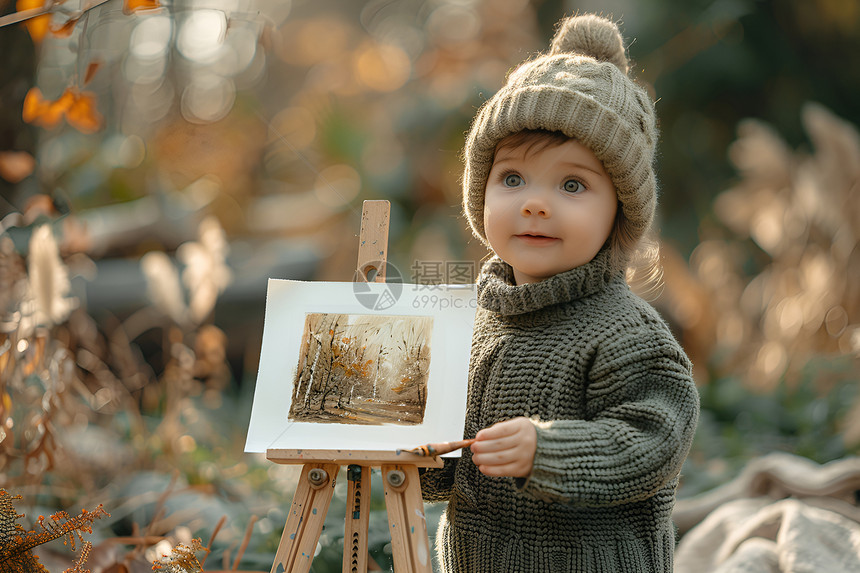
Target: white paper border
column 287, row 302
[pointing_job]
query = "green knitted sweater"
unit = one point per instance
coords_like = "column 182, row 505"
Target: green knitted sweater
column 612, row 398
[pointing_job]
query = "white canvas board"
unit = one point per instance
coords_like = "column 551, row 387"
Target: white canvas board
column 362, row 366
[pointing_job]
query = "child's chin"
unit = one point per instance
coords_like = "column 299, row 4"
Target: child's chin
column 534, row 276
column 543, row 274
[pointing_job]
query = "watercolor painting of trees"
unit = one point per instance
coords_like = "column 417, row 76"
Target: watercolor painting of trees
column 362, row 369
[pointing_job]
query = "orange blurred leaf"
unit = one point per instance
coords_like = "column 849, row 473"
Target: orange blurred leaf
column 83, row 115
column 131, row 6
column 45, row 113
column 92, row 68
column 16, row 165
column 79, row 108
column 35, row 107
column 38, row 26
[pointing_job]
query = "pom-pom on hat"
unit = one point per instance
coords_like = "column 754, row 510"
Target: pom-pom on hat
column 581, row 89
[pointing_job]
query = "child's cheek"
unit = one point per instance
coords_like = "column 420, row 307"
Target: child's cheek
column 489, row 229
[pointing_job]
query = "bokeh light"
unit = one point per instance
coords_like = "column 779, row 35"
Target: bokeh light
column 207, row 97
column 337, row 185
column 151, row 37
column 201, row 35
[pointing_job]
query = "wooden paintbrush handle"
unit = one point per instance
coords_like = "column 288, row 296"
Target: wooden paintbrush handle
column 441, row 448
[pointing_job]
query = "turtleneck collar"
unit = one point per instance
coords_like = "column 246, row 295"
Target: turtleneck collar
column 498, row 293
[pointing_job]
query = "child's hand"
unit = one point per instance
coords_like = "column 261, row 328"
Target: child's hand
column 506, row 448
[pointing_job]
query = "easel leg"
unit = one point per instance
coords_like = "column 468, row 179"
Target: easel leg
column 406, row 521
column 306, row 518
column 357, row 519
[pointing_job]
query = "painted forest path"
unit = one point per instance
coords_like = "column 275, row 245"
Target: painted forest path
column 363, row 411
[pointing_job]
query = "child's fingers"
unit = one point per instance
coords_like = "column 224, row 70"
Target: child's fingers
column 513, row 469
column 496, row 431
column 494, row 445
column 502, row 429
column 520, row 454
column 496, row 458
column 505, row 448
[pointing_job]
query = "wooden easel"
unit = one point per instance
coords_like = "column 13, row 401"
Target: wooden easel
column 406, row 522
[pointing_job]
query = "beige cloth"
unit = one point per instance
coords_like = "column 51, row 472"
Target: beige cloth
column 783, row 514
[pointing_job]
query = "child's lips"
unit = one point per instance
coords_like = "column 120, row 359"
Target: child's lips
column 536, row 239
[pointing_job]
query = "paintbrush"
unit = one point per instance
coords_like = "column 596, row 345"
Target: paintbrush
column 439, row 449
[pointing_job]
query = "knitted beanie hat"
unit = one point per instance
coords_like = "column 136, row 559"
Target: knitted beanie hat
column 581, row 89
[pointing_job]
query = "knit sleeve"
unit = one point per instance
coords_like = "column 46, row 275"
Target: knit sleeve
column 642, row 410
column 437, row 483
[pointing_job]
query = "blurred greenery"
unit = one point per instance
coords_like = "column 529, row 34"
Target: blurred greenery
column 738, row 425
column 267, row 122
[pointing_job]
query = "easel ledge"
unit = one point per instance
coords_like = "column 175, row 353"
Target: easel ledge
column 373, row 458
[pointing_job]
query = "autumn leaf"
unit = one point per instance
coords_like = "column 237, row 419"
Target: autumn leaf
column 43, row 112
column 38, row 26
column 16, row 544
column 34, row 105
column 132, row 6
column 16, row 165
column 79, row 109
column 92, row 68
column 83, row 115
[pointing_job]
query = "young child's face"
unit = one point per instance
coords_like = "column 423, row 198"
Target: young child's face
column 548, row 210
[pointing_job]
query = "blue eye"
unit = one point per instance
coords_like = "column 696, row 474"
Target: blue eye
column 573, row 186
column 513, row 180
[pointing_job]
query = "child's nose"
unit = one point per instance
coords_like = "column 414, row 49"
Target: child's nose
column 535, row 204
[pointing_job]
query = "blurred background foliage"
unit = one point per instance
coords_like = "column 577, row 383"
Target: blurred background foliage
column 184, row 151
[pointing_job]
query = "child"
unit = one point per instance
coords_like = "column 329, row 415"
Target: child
column 581, row 400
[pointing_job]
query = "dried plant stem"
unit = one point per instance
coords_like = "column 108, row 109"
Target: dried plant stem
column 215, row 531
column 248, row 531
column 159, row 507
column 138, row 539
column 25, row 15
